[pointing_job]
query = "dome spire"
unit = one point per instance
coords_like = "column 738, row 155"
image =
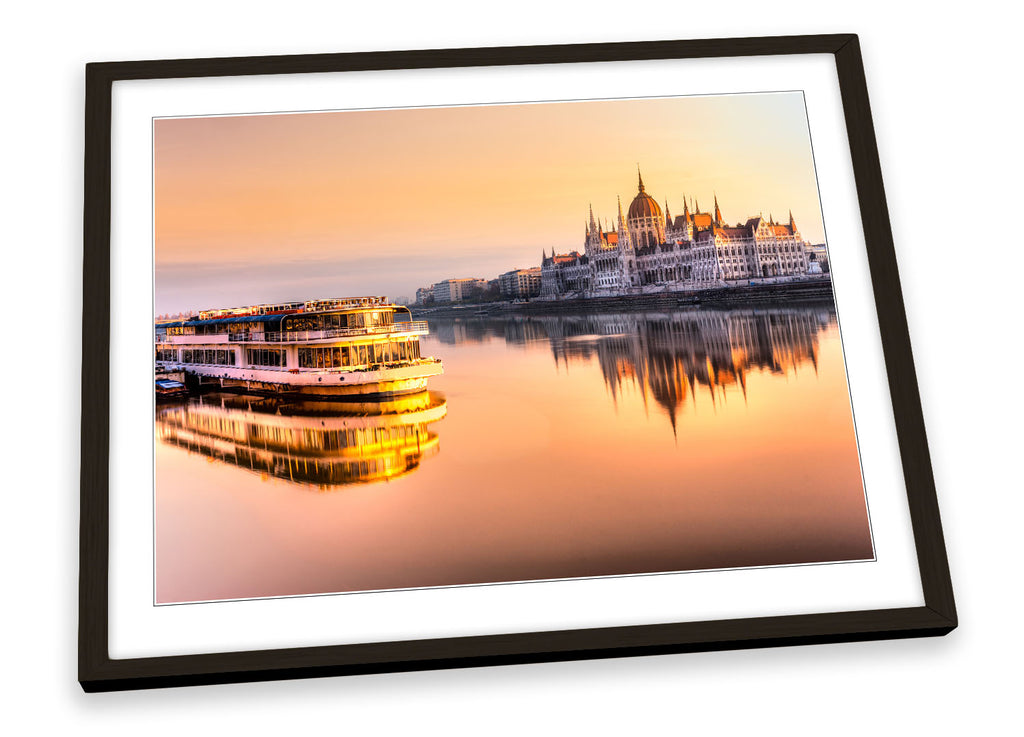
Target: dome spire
column 640, row 179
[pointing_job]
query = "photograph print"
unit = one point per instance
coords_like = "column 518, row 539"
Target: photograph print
column 475, row 345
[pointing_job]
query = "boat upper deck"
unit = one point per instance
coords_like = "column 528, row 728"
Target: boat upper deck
column 314, row 321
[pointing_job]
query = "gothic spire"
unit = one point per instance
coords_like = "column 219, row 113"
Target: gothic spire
column 593, row 225
column 792, row 223
column 718, row 213
column 624, row 239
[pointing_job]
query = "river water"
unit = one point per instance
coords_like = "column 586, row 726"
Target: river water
column 552, row 447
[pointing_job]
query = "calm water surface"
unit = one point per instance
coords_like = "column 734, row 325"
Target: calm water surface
column 551, row 447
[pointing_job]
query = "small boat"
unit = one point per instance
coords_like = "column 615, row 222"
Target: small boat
column 169, row 389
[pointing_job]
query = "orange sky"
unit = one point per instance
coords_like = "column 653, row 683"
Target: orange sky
column 288, row 207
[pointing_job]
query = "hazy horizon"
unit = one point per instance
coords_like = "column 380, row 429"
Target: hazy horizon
column 283, row 207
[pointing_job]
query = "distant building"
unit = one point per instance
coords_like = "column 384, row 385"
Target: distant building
column 423, row 293
column 520, row 283
column 650, row 249
column 456, row 290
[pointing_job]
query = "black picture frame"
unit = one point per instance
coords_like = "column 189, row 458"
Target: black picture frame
column 97, row 671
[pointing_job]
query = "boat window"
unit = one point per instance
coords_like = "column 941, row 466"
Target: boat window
column 265, row 356
column 300, row 324
column 331, row 357
column 207, row 356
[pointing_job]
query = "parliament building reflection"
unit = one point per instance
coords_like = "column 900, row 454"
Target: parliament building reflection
column 317, row 443
column 668, row 357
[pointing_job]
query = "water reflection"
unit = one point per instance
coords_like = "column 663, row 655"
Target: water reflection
column 320, row 443
column 559, row 462
column 668, row 356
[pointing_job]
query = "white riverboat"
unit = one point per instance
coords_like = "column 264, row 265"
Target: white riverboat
column 360, row 347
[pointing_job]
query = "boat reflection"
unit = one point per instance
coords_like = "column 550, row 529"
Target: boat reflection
column 315, row 443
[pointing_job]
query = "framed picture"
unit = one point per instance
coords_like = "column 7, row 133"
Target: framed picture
column 433, row 359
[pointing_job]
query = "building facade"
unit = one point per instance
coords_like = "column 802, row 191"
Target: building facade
column 520, row 283
column 456, row 290
column 648, row 250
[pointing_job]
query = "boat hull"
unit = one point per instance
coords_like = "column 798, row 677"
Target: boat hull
column 381, row 383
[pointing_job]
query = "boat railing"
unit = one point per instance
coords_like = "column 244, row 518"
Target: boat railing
column 301, row 336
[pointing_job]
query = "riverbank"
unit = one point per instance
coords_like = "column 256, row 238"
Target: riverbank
column 805, row 292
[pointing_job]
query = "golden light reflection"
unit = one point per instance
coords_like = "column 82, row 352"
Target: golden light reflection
column 560, row 461
column 315, row 443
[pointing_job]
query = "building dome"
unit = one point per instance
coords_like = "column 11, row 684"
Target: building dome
column 643, row 205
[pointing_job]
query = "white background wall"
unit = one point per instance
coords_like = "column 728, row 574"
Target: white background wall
column 944, row 85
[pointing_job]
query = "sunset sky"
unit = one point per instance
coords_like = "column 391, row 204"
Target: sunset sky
column 266, row 208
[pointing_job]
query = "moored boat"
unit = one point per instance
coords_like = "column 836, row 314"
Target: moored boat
column 341, row 347
column 170, row 389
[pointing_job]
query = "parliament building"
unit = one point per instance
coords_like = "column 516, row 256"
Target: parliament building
column 650, row 251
